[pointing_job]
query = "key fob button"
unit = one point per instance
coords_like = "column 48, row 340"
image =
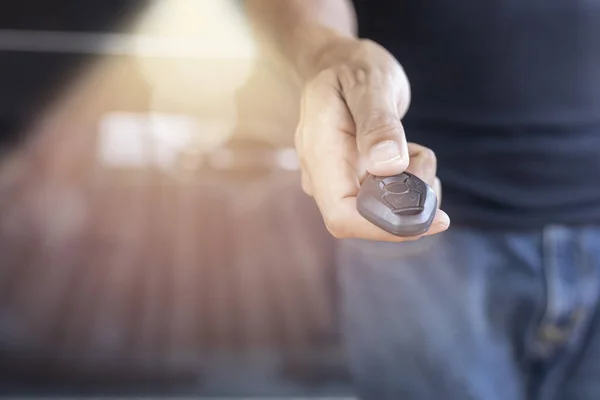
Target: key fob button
column 403, row 204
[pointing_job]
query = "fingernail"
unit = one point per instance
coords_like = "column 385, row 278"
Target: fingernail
column 444, row 219
column 385, row 152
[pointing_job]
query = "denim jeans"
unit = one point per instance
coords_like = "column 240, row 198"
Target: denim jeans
column 474, row 315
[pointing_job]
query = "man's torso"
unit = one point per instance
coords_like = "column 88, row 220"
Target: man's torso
column 507, row 93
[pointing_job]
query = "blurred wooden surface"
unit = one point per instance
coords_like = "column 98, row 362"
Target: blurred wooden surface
column 105, row 267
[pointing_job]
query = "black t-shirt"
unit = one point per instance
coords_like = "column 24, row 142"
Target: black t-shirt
column 507, row 92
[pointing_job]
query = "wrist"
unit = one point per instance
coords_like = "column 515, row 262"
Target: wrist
column 315, row 51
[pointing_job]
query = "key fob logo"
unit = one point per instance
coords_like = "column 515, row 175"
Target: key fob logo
column 403, row 194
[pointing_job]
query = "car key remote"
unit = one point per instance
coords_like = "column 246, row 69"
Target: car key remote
column 402, row 205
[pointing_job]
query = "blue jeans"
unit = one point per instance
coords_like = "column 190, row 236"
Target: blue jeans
column 474, row 315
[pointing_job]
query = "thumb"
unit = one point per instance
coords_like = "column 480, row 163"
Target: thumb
column 379, row 133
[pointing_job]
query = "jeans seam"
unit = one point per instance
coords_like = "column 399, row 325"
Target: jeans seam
column 547, row 315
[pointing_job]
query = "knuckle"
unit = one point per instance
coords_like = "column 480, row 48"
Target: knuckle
column 336, row 234
column 328, row 76
column 381, row 124
column 422, row 153
column 306, row 185
column 300, row 139
column 350, row 76
column 367, row 46
column 429, row 155
column 335, row 226
column 361, row 49
column 303, row 161
column 404, row 96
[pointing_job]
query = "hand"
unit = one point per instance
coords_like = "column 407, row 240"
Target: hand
column 350, row 116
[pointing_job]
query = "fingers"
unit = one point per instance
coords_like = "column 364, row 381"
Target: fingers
column 437, row 187
column 332, row 168
column 377, row 100
column 344, row 222
column 423, row 163
column 304, row 177
column 327, row 154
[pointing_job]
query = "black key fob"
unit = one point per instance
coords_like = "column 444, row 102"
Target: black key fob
column 402, row 205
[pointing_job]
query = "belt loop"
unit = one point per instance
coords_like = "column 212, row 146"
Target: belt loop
column 554, row 329
column 570, row 296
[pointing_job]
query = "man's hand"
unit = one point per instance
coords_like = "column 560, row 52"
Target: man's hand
column 350, row 116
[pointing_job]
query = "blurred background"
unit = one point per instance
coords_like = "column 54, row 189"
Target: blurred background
column 154, row 238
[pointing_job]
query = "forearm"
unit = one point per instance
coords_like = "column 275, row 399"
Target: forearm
column 301, row 30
